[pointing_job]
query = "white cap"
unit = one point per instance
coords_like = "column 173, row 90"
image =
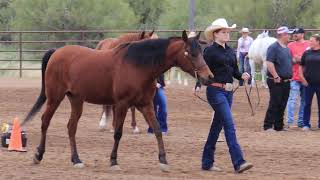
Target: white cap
column 283, row 29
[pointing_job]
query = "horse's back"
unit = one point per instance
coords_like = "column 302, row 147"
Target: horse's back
column 77, row 67
column 108, row 43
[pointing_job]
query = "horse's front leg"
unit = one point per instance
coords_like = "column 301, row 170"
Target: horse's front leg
column 119, row 112
column 149, row 115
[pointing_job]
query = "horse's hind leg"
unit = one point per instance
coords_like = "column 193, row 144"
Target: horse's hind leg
column 134, row 126
column 120, row 113
column 51, row 107
column 76, row 111
column 149, row 115
column 253, row 71
column 106, row 113
column 264, row 74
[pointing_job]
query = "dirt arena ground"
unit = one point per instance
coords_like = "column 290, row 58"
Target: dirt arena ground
column 279, row 155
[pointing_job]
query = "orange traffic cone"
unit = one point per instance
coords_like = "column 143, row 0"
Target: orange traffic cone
column 15, row 143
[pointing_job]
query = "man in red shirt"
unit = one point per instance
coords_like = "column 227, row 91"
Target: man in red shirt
column 297, row 48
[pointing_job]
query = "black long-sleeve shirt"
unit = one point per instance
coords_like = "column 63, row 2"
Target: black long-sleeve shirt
column 222, row 62
column 310, row 61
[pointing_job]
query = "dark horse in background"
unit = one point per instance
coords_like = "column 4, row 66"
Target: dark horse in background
column 111, row 43
column 122, row 77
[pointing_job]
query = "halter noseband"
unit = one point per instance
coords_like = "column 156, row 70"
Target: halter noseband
column 186, row 54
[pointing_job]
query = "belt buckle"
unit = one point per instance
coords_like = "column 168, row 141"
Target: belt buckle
column 228, row 87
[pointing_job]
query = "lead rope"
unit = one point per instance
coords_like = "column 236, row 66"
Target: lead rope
column 248, row 97
column 195, row 92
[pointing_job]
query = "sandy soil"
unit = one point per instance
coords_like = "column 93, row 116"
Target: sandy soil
column 281, row 155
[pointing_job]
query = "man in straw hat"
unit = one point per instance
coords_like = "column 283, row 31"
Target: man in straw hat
column 222, row 61
column 279, row 64
column 244, row 43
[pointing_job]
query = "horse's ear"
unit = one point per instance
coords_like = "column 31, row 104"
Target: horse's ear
column 198, row 35
column 142, row 35
column 184, row 36
column 151, row 33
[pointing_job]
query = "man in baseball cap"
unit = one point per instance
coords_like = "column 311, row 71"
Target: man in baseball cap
column 298, row 31
column 279, row 64
column 297, row 48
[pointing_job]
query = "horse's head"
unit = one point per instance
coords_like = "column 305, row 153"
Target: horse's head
column 145, row 35
column 263, row 34
column 191, row 59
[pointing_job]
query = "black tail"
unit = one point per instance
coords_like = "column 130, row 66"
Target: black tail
column 42, row 97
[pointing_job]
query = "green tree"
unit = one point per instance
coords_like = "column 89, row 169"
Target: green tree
column 7, row 14
column 72, row 15
column 147, row 12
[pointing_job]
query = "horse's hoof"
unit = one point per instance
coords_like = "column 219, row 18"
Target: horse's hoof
column 36, row 160
column 102, row 126
column 164, row 167
column 115, row 168
column 102, row 129
column 136, row 130
column 79, row 165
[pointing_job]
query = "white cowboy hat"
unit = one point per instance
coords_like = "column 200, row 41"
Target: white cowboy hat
column 245, row 30
column 192, row 34
column 220, row 23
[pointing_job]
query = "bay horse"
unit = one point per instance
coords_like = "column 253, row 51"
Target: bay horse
column 122, row 77
column 111, row 43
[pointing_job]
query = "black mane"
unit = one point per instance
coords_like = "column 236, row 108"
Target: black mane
column 148, row 52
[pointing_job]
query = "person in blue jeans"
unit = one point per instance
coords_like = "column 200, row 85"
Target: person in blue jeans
column 160, row 106
column 310, row 76
column 296, row 90
column 221, row 59
column 297, row 48
column 244, row 43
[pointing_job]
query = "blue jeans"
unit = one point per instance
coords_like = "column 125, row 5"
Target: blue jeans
column 309, row 92
column 244, row 66
column 221, row 101
column 160, row 109
column 296, row 89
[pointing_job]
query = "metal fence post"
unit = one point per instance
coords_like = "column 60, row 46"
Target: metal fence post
column 20, row 54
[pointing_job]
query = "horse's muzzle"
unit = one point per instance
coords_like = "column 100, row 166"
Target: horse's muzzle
column 206, row 81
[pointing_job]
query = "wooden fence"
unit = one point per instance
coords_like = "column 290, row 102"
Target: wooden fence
column 82, row 38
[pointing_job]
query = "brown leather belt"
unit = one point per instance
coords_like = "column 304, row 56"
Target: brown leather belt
column 227, row 86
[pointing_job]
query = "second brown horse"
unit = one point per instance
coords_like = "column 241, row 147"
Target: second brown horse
column 111, row 43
